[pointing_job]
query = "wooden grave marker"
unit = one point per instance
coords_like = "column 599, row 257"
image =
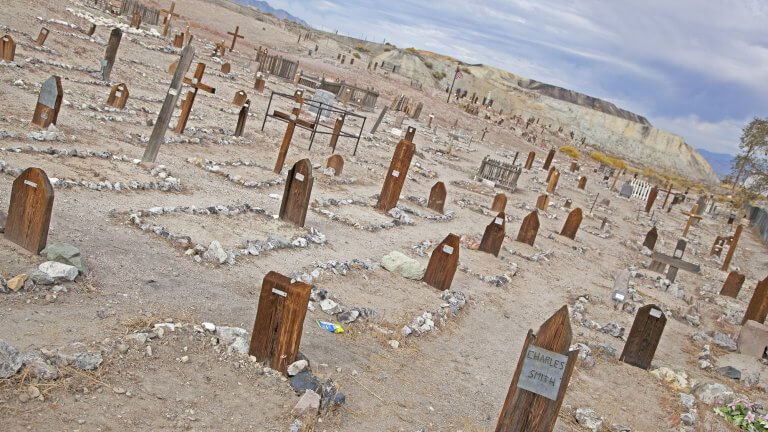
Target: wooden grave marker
column 235, row 37
column 541, row 378
column 336, row 132
column 549, row 174
column 398, row 170
column 548, row 161
column 136, row 19
column 118, row 96
column 178, row 40
column 168, row 15
column 732, row 248
column 29, row 212
column 239, row 98
column 493, row 236
column 186, row 104
column 542, row 202
column 529, row 229
column 442, row 264
column 529, row 161
column 298, row 189
column 582, row 182
column 410, row 133
column 110, row 55
column 499, row 203
column 572, row 223
column 574, row 166
column 666, row 197
column 292, row 120
column 276, row 335
column 719, row 244
column 437, row 197
column 48, row 103
column 732, row 284
column 651, row 198
column 226, row 68
column 260, row 83
column 7, row 48
column 691, row 217
column 379, row 119
column 644, row 337
column 337, row 163
column 758, row 305
column 242, row 117
column 42, row 36
column 552, row 186
column 650, row 238
column 675, row 262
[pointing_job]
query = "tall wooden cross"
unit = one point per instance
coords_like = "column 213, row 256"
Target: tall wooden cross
column 666, row 198
column 235, row 36
column 293, row 119
column 169, row 14
column 691, row 217
column 186, row 105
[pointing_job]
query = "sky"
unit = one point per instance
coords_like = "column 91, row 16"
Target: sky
column 697, row 68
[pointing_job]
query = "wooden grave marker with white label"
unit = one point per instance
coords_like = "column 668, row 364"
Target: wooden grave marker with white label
column 529, row 229
column 493, row 236
column 276, row 335
column 398, row 169
column 48, row 103
column 242, row 117
column 644, row 337
column 541, row 378
column 732, row 284
column 572, row 223
column 7, row 48
column 410, row 133
column 239, row 98
column 110, row 55
column 442, row 264
column 542, row 202
column 499, row 203
column 758, row 305
column 298, row 189
column 29, row 212
column 118, row 96
column 548, row 161
column 582, row 182
column 529, row 161
column 437, row 197
column 337, row 163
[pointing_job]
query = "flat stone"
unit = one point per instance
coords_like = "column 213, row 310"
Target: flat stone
column 58, row 271
column 10, row 361
column 730, row 372
column 41, row 278
column 724, row 341
column 17, row 282
column 227, row 335
column 407, row 267
column 715, row 393
column 308, row 403
column 239, row 346
column 66, row 253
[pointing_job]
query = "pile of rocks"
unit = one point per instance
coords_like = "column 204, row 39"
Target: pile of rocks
column 453, row 302
column 64, row 264
column 320, row 206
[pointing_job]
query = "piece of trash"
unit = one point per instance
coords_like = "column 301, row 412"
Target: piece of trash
column 331, row 327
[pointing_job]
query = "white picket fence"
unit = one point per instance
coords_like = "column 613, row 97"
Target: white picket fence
column 640, row 189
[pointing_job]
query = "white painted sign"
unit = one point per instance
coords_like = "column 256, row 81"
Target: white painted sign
column 30, row 184
column 447, row 249
column 542, row 372
column 299, row 177
column 499, row 221
column 280, row 293
column 655, row 313
column 395, row 173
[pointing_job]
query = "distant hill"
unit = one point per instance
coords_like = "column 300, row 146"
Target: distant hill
column 720, row 162
column 267, row 8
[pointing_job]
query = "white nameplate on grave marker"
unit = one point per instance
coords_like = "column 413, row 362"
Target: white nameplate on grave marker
column 173, row 92
column 293, row 117
column 542, row 372
column 619, row 297
column 498, row 221
column 678, row 253
column 31, row 184
column 299, row 177
column 280, row 293
column 395, row 173
column 195, row 81
column 655, row 313
column 448, row 249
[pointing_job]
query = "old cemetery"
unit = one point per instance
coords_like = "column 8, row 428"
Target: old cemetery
column 198, row 234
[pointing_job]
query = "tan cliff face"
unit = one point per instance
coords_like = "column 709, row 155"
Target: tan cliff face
column 606, row 127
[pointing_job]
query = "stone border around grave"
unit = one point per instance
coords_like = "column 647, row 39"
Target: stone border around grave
column 320, row 206
column 424, row 249
column 214, row 252
column 216, row 168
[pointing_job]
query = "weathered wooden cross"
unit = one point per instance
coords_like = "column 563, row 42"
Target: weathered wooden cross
column 644, row 337
column 692, row 216
column 29, row 212
column 186, row 104
column 169, row 14
column 675, row 262
column 298, row 189
column 493, row 236
column 292, row 119
column 437, row 197
column 276, row 335
column 666, row 197
column 395, row 178
column 235, row 36
column 443, row 262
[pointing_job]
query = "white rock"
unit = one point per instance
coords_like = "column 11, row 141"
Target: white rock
column 394, row 344
column 296, row 367
column 58, row 271
column 209, row 326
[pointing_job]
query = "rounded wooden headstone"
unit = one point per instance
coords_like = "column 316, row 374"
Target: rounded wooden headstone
column 240, row 98
column 644, row 337
column 437, row 197
column 493, row 236
column 298, row 189
column 650, row 238
column 529, row 229
column 582, row 182
column 499, row 203
column 337, row 163
column 572, row 223
column 732, row 284
column 29, row 212
column 442, row 264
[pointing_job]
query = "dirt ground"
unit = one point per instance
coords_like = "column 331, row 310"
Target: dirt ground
column 454, row 378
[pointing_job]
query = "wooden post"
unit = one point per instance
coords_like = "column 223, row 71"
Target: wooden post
column 378, row 120
column 42, row 36
column 298, row 189
column 548, row 161
column 276, row 335
column 442, row 264
column 572, row 223
column 283, row 152
column 164, row 117
column 651, row 199
column 732, row 248
column 336, row 132
column 29, row 212
column 644, row 337
column 758, row 305
column 541, row 378
column 235, row 37
column 529, row 229
column 529, row 161
column 733, row 284
column 337, row 163
column 499, row 203
column 48, row 103
column 398, row 169
column 437, row 197
column 650, row 238
column 669, row 192
column 493, row 236
column 542, row 202
column 111, row 54
column 553, row 182
column 410, row 133
column 242, row 117
column 7, row 48
column 260, row 83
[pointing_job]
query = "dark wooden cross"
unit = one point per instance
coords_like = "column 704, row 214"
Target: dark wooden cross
column 235, row 36
column 442, row 264
column 675, row 262
column 437, row 197
column 186, row 104
column 493, row 236
column 644, row 337
column 29, row 212
column 666, row 197
column 276, row 335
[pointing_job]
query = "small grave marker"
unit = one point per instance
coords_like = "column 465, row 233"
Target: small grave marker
column 336, row 132
column 226, row 68
column 437, row 197
column 178, row 40
column 651, row 199
column 644, row 337
column 543, row 372
column 298, row 189
column 542, row 202
column 260, row 83
column 42, row 36
column 7, row 48
column 276, row 335
column 239, row 98
column 574, row 166
column 548, row 161
column 582, row 182
column 136, row 19
column 529, row 229
column 292, row 120
column 118, row 96
column 115, row 36
column 549, row 174
column 493, row 236
column 758, row 305
column 552, row 186
column 410, row 133
column 337, row 163
column 398, row 170
column 732, row 284
column 48, row 103
column 572, row 223
column 499, row 203
column 29, row 212
column 529, row 161
column 650, row 238
column 442, row 264
column 732, row 248
column 242, row 117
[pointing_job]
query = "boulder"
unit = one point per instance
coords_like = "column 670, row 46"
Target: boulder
column 588, row 419
column 10, row 361
column 215, row 253
column 298, row 366
column 714, row 394
column 308, row 403
column 59, row 272
column 66, row 253
column 407, row 267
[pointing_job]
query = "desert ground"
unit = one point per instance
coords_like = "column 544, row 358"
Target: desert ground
column 141, row 306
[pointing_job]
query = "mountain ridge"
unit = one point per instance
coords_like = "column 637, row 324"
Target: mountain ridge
column 278, row 13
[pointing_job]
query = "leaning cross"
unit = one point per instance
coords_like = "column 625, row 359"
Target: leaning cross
column 293, row 119
column 235, row 36
column 169, row 14
column 675, row 262
column 186, row 105
column 691, row 217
